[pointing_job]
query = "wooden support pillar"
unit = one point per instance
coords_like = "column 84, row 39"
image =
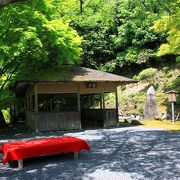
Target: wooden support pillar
column 24, row 104
column 51, row 103
column 27, row 101
column 15, row 108
column 28, row 109
column 30, row 103
column 104, row 111
column 101, row 104
column 117, row 112
column 36, row 107
column 89, row 101
column 36, row 98
column 79, row 106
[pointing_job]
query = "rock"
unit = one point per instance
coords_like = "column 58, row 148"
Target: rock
column 136, row 122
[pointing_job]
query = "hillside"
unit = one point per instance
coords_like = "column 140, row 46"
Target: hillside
column 132, row 96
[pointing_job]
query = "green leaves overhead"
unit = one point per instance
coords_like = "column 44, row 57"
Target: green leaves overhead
column 64, row 40
column 170, row 25
column 117, row 31
column 31, row 37
column 40, row 34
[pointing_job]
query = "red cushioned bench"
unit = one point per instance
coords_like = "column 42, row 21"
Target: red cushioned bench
column 17, row 151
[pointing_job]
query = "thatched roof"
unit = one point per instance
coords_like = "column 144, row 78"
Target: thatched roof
column 69, row 74
column 75, row 74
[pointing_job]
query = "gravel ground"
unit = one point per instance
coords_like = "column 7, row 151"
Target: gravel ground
column 116, row 154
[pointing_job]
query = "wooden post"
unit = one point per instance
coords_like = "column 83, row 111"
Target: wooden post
column 36, row 107
column 27, row 103
column 51, row 101
column 30, row 105
column 172, row 105
column 20, row 164
column 79, row 105
column 76, row 155
column 89, row 102
column 104, row 115
column 117, row 112
column 15, row 108
column 36, row 98
column 101, row 106
column 24, row 104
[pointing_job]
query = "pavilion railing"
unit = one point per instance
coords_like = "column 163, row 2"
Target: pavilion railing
column 111, row 118
column 47, row 121
column 31, row 119
column 57, row 121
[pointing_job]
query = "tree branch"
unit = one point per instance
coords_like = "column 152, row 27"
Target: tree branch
column 81, row 6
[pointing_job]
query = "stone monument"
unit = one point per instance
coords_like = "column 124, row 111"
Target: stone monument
column 151, row 109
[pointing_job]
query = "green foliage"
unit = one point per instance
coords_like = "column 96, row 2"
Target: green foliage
column 6, row 115
column 163, row 80
column 33, row 38
column 36, row 35
column 145, row 56
column 135, row 42
column 6, row 99
column 176, row 86
column 146, row 74
column 117, row 31
column 170, row 25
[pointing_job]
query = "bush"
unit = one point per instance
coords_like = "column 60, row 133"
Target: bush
column 146, row 74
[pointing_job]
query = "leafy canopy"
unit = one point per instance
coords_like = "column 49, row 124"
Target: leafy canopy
column 170, row 25
column 116, row 33
column 32, row 39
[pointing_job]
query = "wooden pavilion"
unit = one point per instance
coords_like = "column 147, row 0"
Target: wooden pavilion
column 64, row 99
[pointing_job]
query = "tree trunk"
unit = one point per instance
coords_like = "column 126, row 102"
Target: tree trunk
column 81, row 6
column 2, row 120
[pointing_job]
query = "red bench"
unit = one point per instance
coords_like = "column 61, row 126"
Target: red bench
column 17, row 151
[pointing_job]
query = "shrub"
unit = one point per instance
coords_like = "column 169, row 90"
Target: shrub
column 146, row 73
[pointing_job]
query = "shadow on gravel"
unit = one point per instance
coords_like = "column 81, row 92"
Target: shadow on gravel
column 121, row 153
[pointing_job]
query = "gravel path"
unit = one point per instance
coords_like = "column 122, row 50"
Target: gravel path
column 116, row 154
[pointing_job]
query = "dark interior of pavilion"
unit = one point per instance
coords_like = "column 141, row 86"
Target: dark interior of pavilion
column 91, row 107
column 91, row 111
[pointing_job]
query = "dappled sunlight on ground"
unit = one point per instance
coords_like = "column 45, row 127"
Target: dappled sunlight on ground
column 120, row 153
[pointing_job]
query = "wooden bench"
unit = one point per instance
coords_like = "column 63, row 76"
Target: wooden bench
column 19, row 150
